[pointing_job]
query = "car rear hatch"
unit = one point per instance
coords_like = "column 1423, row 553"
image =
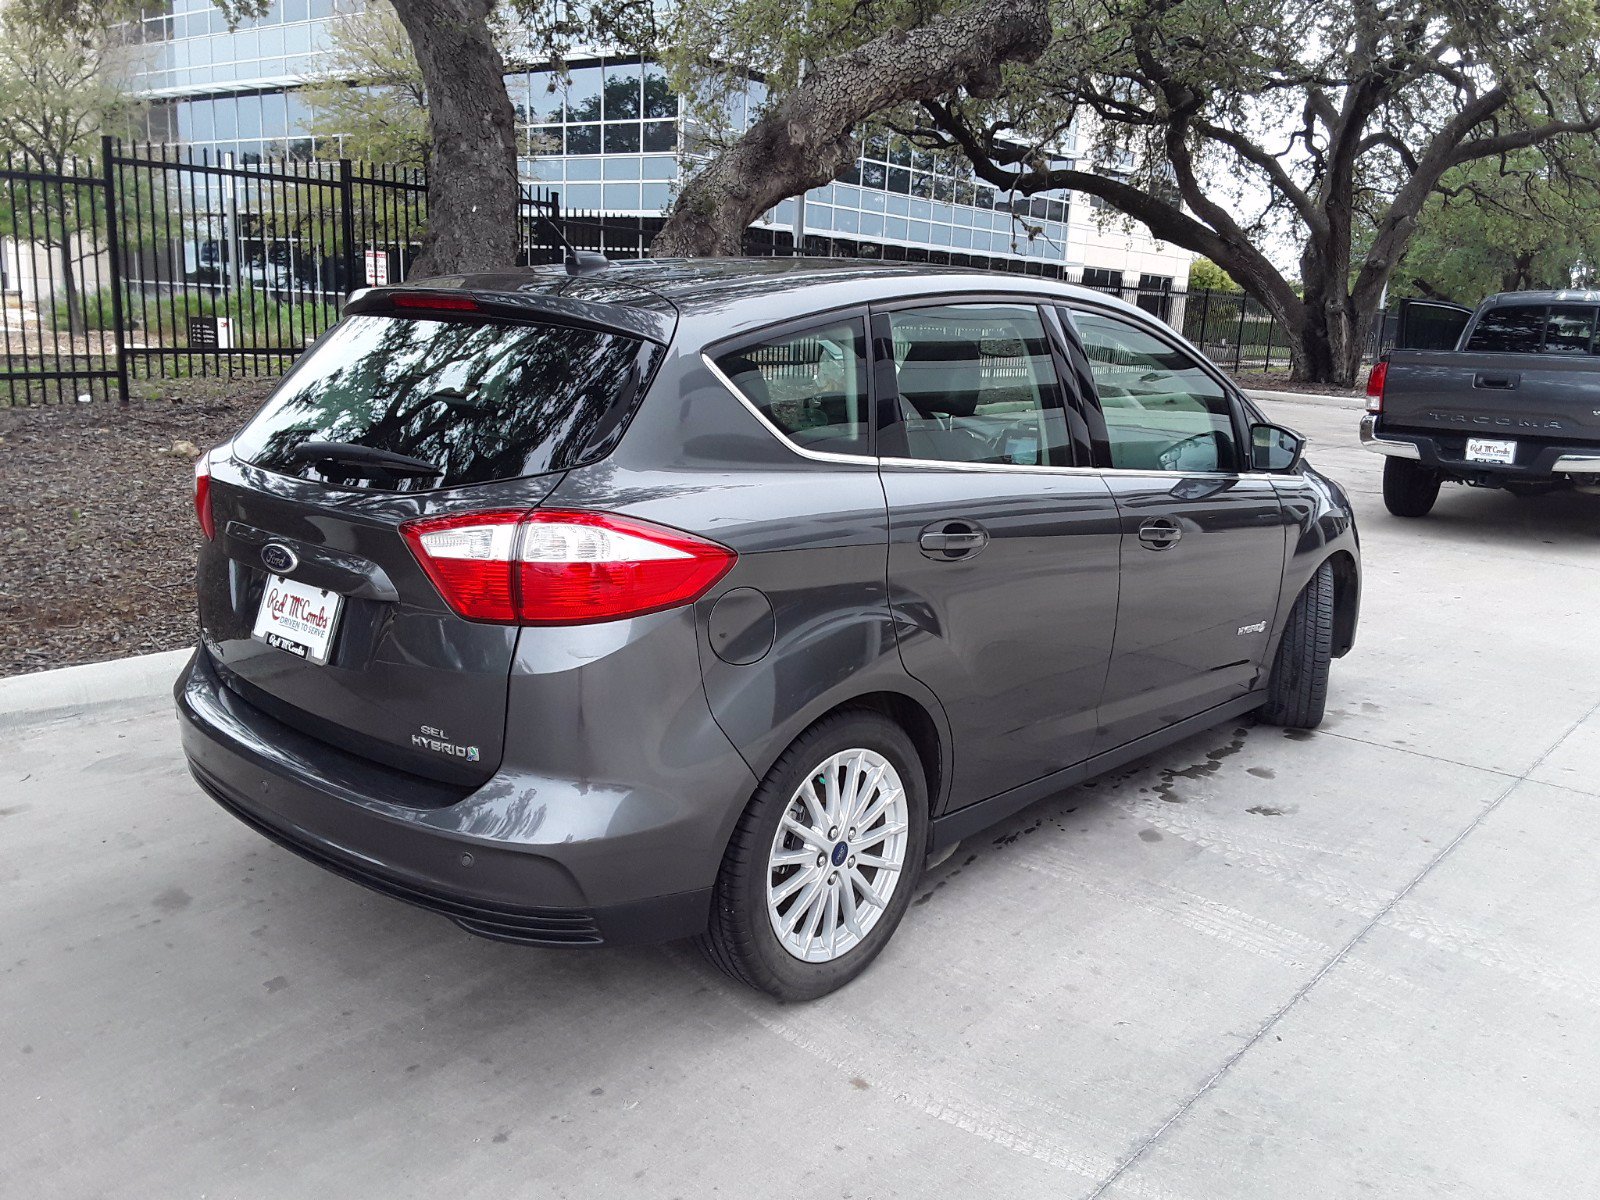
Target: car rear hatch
column 415, row 405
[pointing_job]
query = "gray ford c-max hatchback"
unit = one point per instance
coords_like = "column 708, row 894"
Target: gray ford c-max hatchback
column 709, row 598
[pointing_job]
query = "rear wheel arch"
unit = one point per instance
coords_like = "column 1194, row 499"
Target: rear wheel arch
column 1346, row 600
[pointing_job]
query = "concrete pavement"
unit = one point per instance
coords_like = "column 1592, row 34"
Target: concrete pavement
column 1364, row 961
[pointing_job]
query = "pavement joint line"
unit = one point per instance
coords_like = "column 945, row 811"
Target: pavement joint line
column 1143, row 1148
column 1439, row 758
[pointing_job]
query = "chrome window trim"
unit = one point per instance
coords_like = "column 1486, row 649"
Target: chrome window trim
column 947, row 465
column 766, row 423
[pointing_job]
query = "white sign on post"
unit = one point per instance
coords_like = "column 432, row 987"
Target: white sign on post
column 377, row 268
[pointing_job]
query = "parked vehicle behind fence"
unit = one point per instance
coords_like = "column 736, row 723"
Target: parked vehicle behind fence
column 709, row 599
column 1515, row 404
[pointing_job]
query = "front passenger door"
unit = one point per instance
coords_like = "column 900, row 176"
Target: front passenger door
column 1203, row 538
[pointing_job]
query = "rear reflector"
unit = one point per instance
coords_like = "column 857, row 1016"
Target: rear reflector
column 1375, row 382
column 560, row 567
column 202, row 497
column 434, row 301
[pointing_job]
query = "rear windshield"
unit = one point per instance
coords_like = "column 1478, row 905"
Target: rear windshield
column 478, row 401
column 1533, row 329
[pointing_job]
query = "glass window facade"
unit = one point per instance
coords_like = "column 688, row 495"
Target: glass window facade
column 609, row 134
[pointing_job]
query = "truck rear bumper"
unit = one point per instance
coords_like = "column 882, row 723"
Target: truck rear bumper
column 1394, row 448
column 1536, row 461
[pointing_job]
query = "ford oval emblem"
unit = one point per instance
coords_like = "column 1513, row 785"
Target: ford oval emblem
column 279, row 559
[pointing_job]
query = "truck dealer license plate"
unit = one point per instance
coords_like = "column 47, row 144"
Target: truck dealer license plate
column 1491, row 450
column 298, row 618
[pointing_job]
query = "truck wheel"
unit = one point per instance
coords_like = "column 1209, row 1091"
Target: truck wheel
column 1409, row 489
column 1297, row 689
column 824, row 862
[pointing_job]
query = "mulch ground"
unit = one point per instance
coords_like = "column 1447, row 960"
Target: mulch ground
column 97, row 524
column 1273, row 381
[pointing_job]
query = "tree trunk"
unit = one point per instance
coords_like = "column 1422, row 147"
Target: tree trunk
column 473, row 193
column 808, row 138
column 77, row 322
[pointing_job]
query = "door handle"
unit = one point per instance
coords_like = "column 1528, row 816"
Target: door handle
column 1498, row 382
column 1159, row 533
column 947, row 541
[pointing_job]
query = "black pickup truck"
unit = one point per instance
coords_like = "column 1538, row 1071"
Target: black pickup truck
column 1507, row 396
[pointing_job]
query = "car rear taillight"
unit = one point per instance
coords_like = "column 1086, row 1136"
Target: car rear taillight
column 202, row 497
column 556, row 567
column 435, row 301
column 1375, row 382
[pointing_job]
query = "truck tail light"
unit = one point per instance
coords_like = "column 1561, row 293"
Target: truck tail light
column 561, row 567
column 1375, row 382
column 202, row 497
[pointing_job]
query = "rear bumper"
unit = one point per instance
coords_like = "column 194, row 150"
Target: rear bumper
column 1535, row 460
column 502, row 861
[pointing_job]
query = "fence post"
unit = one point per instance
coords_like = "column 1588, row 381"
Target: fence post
column 1205, row 317
column 114, row 261
column 1272, row 323
column 347, row 226
column 1238, row 341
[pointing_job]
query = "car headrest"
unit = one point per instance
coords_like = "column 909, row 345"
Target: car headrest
column 747, row 377
column 943, row 376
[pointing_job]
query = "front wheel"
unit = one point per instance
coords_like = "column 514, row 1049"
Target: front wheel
column 1409, row 488
column 1297, row 689
column 824, row 861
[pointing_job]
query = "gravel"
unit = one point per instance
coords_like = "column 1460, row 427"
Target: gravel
column 97, row 525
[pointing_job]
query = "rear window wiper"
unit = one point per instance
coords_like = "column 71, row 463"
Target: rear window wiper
column 349, row 454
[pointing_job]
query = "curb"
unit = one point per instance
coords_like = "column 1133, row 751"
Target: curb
column 42, row 694
column 1353, row 403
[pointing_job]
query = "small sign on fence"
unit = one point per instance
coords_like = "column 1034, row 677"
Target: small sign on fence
column 377, row 268
column 210, row 333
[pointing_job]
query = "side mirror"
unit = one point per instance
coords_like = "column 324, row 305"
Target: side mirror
column 1274, row 448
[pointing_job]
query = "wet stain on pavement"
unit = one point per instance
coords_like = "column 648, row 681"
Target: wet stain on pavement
column 1261, row 772
column 276, row 984
column 1149, row 835
column 174, row 899
column 1269, row 810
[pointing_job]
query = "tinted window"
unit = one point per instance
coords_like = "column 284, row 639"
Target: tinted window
column 1511, row 328
column 1162, row 411
column 977, row 384
column 480, row 401
column 1569, row 330
column 811, row 385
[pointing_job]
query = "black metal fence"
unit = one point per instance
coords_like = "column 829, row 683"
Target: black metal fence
column 155, row 263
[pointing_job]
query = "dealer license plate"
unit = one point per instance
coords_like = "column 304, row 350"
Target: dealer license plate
column 1491, row 450
column 298, row 618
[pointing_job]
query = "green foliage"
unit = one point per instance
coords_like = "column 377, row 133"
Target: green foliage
column 258, row 318
column 1526, row 221
column 1203, row 273
column 370, row 102
column 95, row 313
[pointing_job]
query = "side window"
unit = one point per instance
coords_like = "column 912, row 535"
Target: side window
column 1511, row 329
column 811, row 385
column 1162, row 411
column 977, row 384
column 1570, row 329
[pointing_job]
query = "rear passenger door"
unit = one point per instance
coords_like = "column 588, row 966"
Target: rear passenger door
column 1003, row 543
column 1202, row 538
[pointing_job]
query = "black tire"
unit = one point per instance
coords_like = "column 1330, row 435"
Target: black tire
column 741, row 940
column 1409, row 488
column 1297, row 689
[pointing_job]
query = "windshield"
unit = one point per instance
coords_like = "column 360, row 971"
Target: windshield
column 478, row 400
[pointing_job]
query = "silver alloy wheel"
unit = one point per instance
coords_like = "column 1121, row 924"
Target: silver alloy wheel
column 837, row 856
